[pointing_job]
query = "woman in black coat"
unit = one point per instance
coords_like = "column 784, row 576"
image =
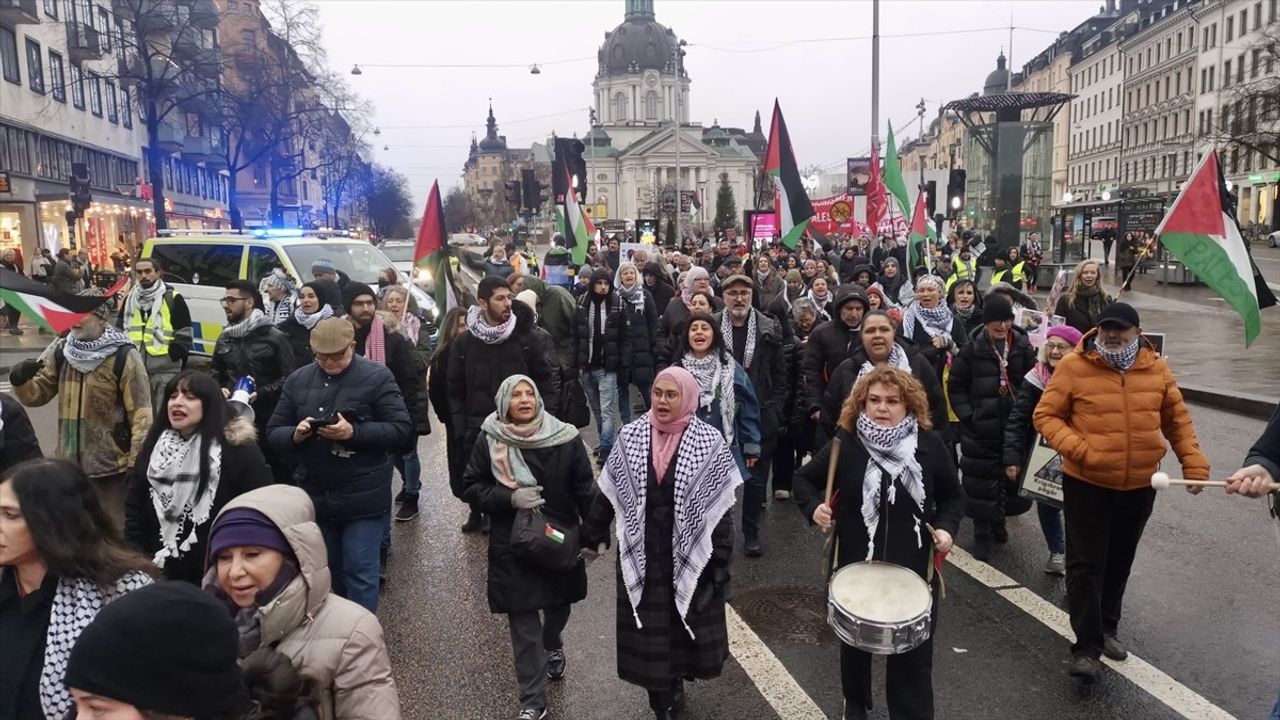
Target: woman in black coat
column 525, row 460
column 642, row 324
column 966, row 305
column 928, row 494
column 454, row 322
column 18, row 440
column 930, row 326
column 317, row 300
column 176, row 488
column 655, row 281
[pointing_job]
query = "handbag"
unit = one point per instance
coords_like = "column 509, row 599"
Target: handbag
column 540, row 540
column 573, row 401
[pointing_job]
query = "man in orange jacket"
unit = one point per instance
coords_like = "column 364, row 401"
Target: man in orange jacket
column 1108, row 410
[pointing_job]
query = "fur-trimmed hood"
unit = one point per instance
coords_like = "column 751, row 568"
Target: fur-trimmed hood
column 240, row 431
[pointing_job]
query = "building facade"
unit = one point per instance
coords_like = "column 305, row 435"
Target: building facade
column 1096, row 116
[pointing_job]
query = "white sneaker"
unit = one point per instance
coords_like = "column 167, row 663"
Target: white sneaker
column 1056, row 564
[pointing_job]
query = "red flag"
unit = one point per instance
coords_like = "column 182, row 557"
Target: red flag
column 877, row 196
column 431, row 233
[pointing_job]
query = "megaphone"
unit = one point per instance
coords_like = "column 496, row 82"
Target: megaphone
column 239, row 400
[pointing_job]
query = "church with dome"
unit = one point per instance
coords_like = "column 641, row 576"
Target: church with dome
column 641, row 113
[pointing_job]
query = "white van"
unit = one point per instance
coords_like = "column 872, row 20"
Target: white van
column 199, row 264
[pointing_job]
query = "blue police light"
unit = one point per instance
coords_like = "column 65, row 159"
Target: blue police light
column 261, row 233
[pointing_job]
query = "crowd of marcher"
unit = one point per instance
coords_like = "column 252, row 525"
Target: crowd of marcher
column 210, row 547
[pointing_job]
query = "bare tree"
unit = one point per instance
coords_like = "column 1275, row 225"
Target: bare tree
column 390, row 204
column 1250, row 117
column 459, row 211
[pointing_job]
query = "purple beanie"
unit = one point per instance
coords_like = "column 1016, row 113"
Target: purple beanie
column 244, row 527
column 1066, row 332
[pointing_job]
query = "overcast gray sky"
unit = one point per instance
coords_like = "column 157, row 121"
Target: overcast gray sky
column 742, row 54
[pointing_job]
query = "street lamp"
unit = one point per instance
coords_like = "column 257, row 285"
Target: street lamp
column 955, row 203
column 534, row 69
column 1067, row 197
column 1106, row 195
column 355, row 70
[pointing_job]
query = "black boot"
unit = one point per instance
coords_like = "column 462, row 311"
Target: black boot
column 473, row 523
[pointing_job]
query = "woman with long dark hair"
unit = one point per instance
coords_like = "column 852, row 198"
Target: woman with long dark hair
column 62, row 560
column 454, row 323
column 726, row 399
column 196, row 458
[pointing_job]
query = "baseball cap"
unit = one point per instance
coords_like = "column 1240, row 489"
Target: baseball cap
column 331, row 335
column 737, row 279
column 1119, row 313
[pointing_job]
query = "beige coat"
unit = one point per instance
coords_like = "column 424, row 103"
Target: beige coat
column 331, row 639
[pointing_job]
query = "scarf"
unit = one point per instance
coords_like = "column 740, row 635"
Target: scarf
column 1094, row 301
column 1039, row 375
column 793, row 275
column 892, row 452
column 489, row 334
column 665, row 437
column 715, row 382
column 75, row 604
column 965, row 314
column 597, row 320
column 936, row 321
column 1121, row 359
column 822, row 301
column 633, row 295
column 278, row 311
column 256, row 319
column 506, row 439
column 897, row 359
column 706, row 477
column 749, row 350
column 248, row 621
column 410, row 326
column 87, row 355
column 375, row 343
column 174, row 475
column 144, row 299
column 309, row 320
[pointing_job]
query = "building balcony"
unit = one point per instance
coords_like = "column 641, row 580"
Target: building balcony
column 83, row 43
column 19, row 12
column 202, row 13
column 123, row 9
column 199, row 150
column 160, row 18
column 171, row 138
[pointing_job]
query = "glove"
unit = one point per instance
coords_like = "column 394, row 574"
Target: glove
column 24, row 371
column 177, row 353
column 527, row 498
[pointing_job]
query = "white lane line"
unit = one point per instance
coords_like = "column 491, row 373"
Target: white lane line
column 5, row 387
column 777, row 685
column 1158, row 684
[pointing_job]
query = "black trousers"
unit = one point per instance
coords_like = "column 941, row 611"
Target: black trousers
column 908, row 681
column 1103, row 530
column 534, row 634
column 786, row 458
column 753, row 493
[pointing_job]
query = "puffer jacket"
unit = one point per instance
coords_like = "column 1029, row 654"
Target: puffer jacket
column 334, row 641
column 264, row 353
column 642, row 325
column 830, row 344
column 18, row 440
column 347, row 480
column 617, row 338
column 846, row 376
column 243, row 469
column 102, row 423
column 769, row 372
column 974, row 391
column 1110, row 427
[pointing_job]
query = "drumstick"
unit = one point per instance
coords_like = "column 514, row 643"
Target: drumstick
column 831, row 470
column 1162, row 481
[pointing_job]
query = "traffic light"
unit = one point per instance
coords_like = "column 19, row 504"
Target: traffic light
column 532, row 195
column 931, row 196
column 569, row 166
column 955, row 192
column 78, row 183
column 513, row 192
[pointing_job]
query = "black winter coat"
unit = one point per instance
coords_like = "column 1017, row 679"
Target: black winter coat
column 830, row 344
column 974, row 390
column 846, row 376
column 1019, row 433
column 18, row 441
column 243, row 469
column 564, row 472
column 798, row 422
column 769, row 374
column 476, row 369
column 661, row 291
column 1077, row 313
column 944, row 502
column 923, row 343
column 617, row 337
column 299, row 339
column 671, row 324
column 549, row 352
column 642, row 324
column 347, row 480
column 264, row 353
column 405, row 364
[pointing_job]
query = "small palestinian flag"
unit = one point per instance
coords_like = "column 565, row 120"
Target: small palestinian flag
column 793, row 206
column 554, row 535
column 54, row 310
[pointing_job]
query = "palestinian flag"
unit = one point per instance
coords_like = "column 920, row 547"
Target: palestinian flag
column 576, row 226
column 877, row 200
column 1200, row 231
column 919, row 236
column 431, row 252
column 896, row 185
column 54, row 310
column 793, row 207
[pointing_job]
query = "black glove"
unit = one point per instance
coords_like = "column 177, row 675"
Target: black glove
column 24, row 371
column 177, row 353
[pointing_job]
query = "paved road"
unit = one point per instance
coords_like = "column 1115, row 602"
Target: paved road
column 1201, row 610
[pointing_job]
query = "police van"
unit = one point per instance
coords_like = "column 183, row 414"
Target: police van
column 198, row 264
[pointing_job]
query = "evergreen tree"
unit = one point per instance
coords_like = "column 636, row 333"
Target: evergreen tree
column 671, row 232
column 726, row 210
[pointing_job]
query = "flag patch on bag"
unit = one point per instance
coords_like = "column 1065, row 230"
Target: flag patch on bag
column 554, row 534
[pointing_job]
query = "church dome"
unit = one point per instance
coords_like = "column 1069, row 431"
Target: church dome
column 640, row 43
column 492, row 142
column 998, row 80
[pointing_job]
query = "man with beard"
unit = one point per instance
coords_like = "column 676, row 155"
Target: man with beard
column 1108, row 409
column 250, row 345
column 601, row 350
column 757, row 343
column 832, row 342
column 156, row 319
column 104, row 407
column 498, row 343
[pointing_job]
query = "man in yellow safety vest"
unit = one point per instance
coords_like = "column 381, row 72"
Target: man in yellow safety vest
column 157, row 321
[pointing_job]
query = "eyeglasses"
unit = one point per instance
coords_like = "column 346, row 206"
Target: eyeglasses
column 1057, row 347
column 230, row 299
column 737, row 293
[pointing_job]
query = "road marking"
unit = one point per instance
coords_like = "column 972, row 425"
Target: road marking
column 766, row 671
column 1158, row 684
column 6, row 387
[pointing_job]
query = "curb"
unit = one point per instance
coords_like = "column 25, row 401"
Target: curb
column 1254, row 406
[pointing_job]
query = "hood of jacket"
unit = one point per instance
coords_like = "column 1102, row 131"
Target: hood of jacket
column 240, row 431
column 291, row 510
column 525, row 317
column 534, row 283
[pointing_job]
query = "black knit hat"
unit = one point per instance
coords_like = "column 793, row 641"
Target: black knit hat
column 168, row 648
column 995, row 308
column 354, row 290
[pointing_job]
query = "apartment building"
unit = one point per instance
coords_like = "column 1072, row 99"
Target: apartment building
column 1096, row 115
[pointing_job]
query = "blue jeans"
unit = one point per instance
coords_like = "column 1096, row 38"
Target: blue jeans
column 624, row 399
column 353, row 558
column 410, row 469
column 602, row 396
column 1051, row 525
column 1275, row 711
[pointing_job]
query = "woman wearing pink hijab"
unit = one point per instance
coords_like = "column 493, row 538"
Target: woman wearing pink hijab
column 670, row 482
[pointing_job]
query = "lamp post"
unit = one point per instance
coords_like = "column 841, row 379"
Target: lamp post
column 675, row 127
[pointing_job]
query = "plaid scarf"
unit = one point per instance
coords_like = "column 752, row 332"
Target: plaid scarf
column 174, row 475
column 1121, row 359
column 936, row 321
column 309, row 320
column 892, row 452
column 897, row 359
column 375, row 345
column 256, row 319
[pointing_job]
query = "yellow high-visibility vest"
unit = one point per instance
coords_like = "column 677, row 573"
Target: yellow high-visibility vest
column 145, row 335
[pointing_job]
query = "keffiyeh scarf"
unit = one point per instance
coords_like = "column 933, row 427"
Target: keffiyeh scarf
column 892, row 451
column 936, row 321
column 715, row 382
column 278, row 311
column 174, row 476
column 897, row 359
column 309, row 320
column 749, row 350
column 706, row 477
column 1121, row 359
column 256, row 319
column 375, row 345
column 489, row 334
column 87, row 355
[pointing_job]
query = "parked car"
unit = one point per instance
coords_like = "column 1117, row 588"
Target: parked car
column 471, row 239
column 1273, row 240
column 400, row 252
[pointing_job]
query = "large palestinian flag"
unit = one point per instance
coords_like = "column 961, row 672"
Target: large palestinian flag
column 431, row 251
column 54, row 310
column 1200, row 230
column 576, row 225
column 793, row 207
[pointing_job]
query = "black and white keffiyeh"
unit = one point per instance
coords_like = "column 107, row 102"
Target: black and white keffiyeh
column 486, row 333
column 726, row 329
column 715, row 382
column 936, row 320
column 174, row 476
column 1122, row 359
column 309, row 320
column 256, row 319
column 87, row 355
column 892, row 451
column 75, row 603
column 897, row 359
column 144, row 299
column 706, row 478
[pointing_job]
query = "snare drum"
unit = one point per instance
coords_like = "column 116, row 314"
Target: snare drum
column 879, row 607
